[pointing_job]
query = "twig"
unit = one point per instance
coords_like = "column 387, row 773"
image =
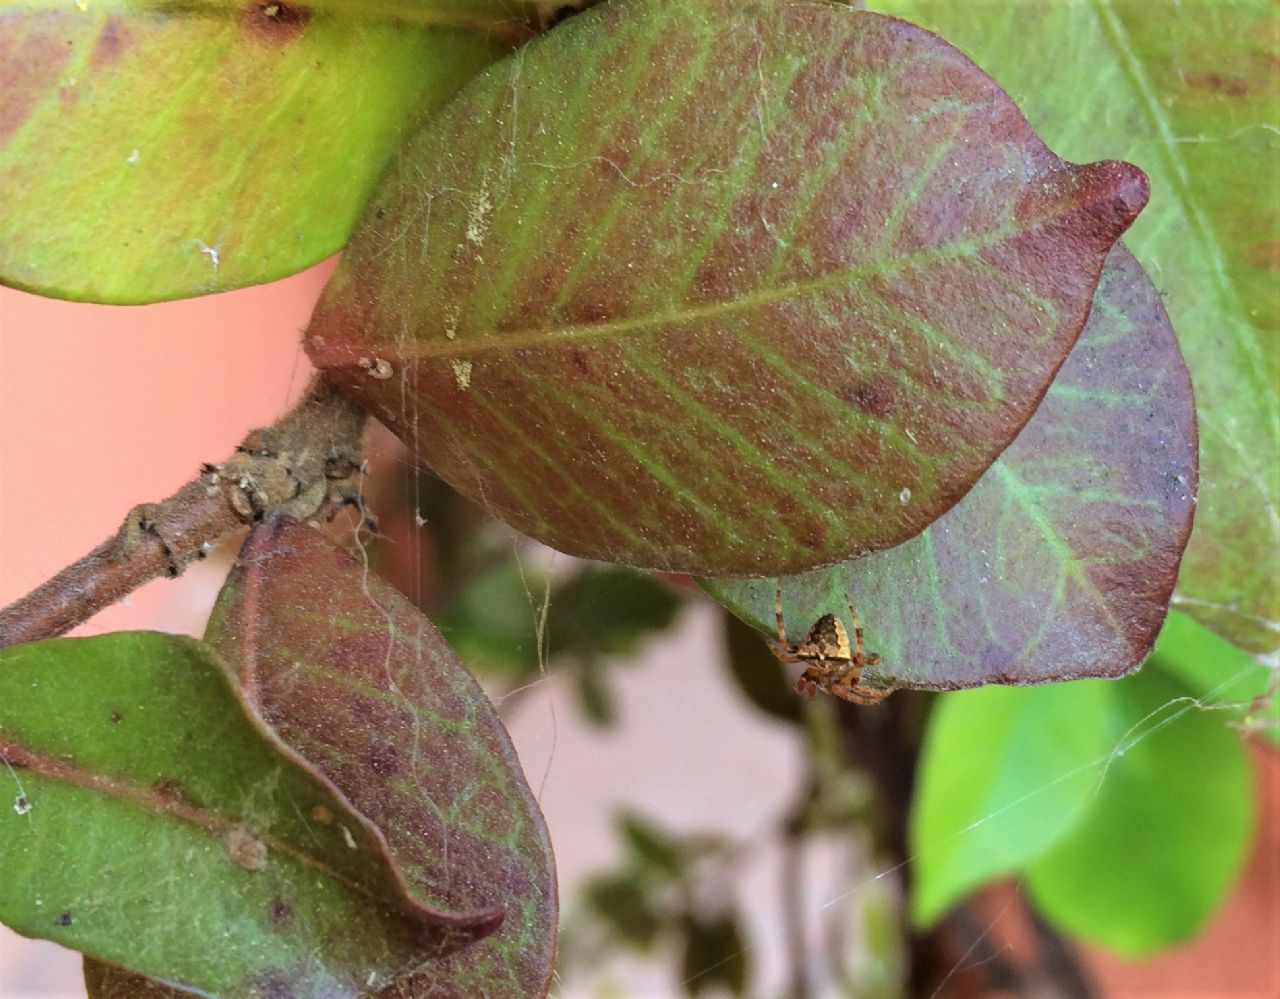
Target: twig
column 306, row 465
column 793, row 912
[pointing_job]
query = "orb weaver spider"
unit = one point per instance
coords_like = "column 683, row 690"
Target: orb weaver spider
column 830, row 664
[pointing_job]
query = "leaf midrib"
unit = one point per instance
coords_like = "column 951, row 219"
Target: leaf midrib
column 59, row 770
column 687, row 314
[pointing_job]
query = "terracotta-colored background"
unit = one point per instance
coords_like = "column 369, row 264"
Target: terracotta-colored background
column 102, row 408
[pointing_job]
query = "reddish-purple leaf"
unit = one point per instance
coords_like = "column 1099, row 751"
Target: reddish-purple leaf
column 710, row 285
column 351, row 674
column 1060, row 562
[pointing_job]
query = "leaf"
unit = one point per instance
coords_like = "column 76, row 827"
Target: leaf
column 1221, row 676
column 1004, row 774
column 352, row 675
column 147, row 804
column 1187, row 91
column 653, row 848
column 1167, row 833
column 492, row 624
column 755, row 669
column 1060, row 562
column 711, row 301
column 151, row 151
column 715, row 955
column 623, row 903
column 608, row 611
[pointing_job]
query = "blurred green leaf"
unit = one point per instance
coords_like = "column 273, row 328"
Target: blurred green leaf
column 595, row 613
column 623, row 902
column 1166, row 832
column 714, row 955
column 608, row 611
column 147, row 803
column 1220, row 674
column 492, row 622
column 759, row 675
column 1004, row 773
column 594, row 698
column 652, row 846
column 153, row 150
column 1186, row 89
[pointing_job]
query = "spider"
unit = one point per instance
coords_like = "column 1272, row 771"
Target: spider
column 830, row 664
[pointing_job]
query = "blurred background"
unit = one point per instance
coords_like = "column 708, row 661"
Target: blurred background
column 714, row 834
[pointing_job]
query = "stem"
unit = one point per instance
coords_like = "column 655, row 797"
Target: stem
column 956, row 957
column 306, row 465
column 793, row 912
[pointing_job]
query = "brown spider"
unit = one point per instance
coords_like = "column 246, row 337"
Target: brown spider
column 830, row 664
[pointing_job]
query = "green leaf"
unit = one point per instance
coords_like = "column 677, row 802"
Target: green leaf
column 622, row 902
column 608, row 611
column 1167, row 832
column 147, row 804
column 1060, row 562
column 352, row 675
column 653, row 847
column 493, row 622
column 1220, row 675
column 757, row 673
column 151, row 150
column 1187, row 91
column 716, row 298
column 715, row 955
column 1004, row 773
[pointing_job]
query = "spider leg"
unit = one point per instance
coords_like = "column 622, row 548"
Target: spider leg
column 783, row 653
column 777, row 610
column 857, row 632
column 859, row 694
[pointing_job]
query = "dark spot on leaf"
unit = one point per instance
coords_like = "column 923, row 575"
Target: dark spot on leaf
column 1264, row 255
column 30, row 64
column 1231, row 86
column 64, row 919
column 281, row 913
column 273, row 22
column 871, row 395
column 112, row 42
column 580, row 360
column 117, row 717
